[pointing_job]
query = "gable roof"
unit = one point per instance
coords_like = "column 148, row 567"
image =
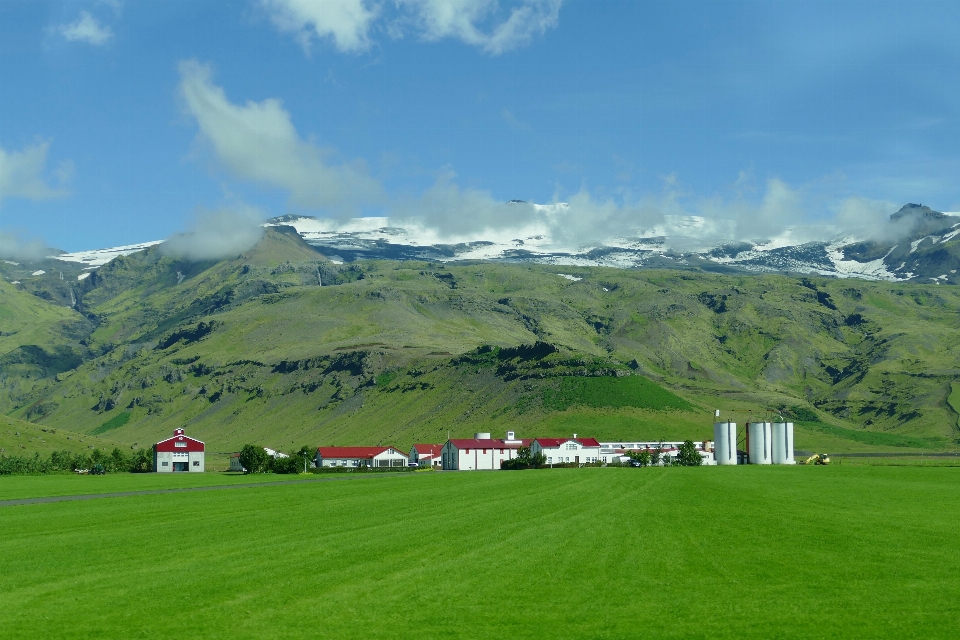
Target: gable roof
column 556, row 442
column 428, row 449
column 354, row 452
column 186, row 443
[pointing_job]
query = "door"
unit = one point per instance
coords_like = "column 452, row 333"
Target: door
column 576, row 459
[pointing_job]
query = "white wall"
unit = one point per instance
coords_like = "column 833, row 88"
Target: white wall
column 564, row 454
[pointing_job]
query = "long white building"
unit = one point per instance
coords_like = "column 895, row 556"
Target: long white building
column 567, row 450
column 480, row 452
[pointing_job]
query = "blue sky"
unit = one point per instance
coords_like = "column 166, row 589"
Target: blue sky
column 120, row 121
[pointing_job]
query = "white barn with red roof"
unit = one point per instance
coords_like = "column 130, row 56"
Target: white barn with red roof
column 179, row 453
column 480, row 452
column 360, row 457
column 567, row 450
column 424, row 455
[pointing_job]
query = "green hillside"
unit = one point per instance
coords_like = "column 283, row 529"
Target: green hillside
column 281, row 346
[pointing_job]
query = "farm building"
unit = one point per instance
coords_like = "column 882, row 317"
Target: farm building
column 480, row 452
column 360, row 457
column 649, row 445
column 424, row 455
column 179, row 453
column 563, row 450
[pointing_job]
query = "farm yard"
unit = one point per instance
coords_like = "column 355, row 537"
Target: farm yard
column 790, row 552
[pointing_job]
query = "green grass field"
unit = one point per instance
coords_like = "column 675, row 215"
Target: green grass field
column 840, row 551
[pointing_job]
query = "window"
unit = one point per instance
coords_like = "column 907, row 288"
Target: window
column 164, row 464
column 571, row 445
column 180, row 444
column 196, row 463
column 466, row 450
column 501, row 450
column 550, row 459
column 484, row 450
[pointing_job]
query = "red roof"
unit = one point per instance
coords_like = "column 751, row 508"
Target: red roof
column 353, row 452
column 556, row 442
column 428, row 449
column 470, row 443
column 179, row 442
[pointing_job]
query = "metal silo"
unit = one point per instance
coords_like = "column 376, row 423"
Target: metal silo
column 783, row 443
column 725, row 442
column 760, row 442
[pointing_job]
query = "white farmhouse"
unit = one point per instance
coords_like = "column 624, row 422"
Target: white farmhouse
column 480, row 452
column 567, row 450
column 360, row 457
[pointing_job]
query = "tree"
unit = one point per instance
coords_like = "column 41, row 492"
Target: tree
column 304, row 457
column 688, row 456
column 643, row 457
column 286, row 464
column 141, row 461
column 656, row 456
column 118, row 461
column 254, row 459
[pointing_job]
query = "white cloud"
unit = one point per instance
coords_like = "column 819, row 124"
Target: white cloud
column 480, row 23
column 217, row 234
column 14, row 247
column 258, row 142
column 346, row 22
column 87, row 29
column 21, row 174
column 465, row 20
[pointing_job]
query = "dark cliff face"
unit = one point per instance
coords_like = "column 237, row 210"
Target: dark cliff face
column 925, row 221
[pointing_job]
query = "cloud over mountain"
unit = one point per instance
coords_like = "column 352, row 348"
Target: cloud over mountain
column 258, row 142
column 217, row 234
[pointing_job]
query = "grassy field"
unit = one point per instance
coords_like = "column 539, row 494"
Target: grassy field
column 837, row 551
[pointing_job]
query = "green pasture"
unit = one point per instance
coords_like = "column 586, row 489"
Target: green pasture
column 785, row 552
column 72, row 484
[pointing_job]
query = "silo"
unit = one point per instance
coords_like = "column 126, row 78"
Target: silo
column 725, row 442
column 783, row 443
column 760, row 442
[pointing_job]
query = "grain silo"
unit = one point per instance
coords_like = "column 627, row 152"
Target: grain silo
column 760, row 442
column 725, row 442
column 783, row 443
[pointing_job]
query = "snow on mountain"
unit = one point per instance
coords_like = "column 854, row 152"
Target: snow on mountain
column 677, row 242
column 100, row 257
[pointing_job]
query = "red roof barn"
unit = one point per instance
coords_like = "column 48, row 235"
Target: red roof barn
column 179, row 453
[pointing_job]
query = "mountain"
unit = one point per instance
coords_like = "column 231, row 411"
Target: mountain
column 282, row 346
column 926, row 249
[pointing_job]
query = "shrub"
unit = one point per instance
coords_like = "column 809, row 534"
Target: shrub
column 254, row 459
column 688, row 456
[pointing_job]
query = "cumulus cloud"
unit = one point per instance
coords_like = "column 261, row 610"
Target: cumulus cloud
column 258, row 142
column 222, row 233
column 480, row 23
column 346, row 22
column 87, row 29
column 22, row 174
column 14, row 247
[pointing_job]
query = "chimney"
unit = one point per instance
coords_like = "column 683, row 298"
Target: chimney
column 574, row 436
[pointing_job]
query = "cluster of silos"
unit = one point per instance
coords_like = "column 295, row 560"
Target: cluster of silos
column 767, row 442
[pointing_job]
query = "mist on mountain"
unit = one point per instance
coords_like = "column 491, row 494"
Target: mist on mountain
column 216, row 234
column 14, row 247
